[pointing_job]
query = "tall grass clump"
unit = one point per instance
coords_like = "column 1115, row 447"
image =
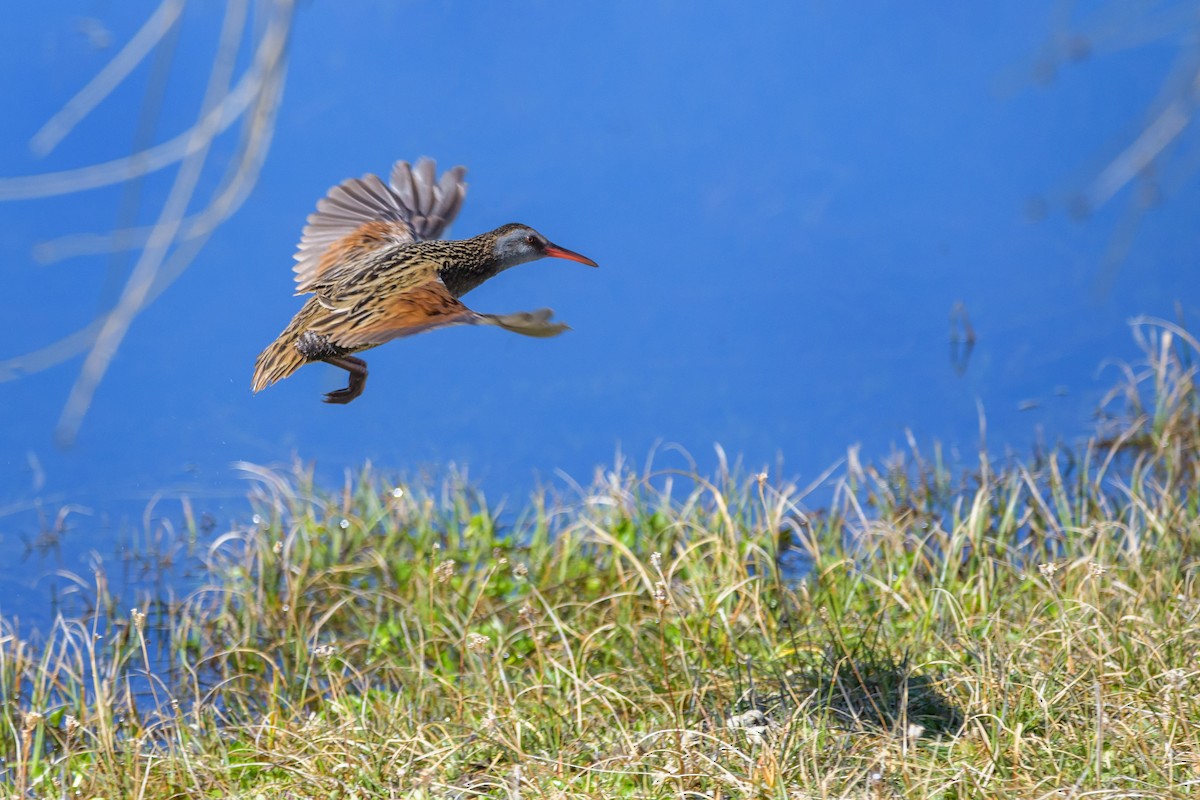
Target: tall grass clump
column 1026, row 628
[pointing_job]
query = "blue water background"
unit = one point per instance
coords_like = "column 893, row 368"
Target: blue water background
column 787, row 201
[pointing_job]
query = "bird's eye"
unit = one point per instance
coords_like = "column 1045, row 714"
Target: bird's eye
column 530, row 240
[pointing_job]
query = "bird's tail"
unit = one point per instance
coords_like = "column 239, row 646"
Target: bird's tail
column 282, row 358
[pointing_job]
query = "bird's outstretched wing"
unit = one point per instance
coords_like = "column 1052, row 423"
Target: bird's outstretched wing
column 361, row 215
column 433, row 205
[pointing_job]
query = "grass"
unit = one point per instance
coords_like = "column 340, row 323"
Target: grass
column 1025, row 629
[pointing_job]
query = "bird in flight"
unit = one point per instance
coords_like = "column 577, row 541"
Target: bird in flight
column 371, row 258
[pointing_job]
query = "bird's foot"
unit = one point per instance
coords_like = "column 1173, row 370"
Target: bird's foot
column 358, row 379
column 342, row 396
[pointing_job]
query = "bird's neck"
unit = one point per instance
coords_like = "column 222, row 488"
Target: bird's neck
column 466, row 263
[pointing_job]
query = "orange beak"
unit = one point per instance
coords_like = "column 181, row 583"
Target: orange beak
column 554, row 251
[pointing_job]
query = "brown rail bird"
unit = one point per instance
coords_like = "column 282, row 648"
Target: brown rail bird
column 371, row 258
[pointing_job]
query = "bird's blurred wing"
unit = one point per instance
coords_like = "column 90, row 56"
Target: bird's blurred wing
column 383, row 316
column 361, row 215
column 432, row 205
column 527, row 323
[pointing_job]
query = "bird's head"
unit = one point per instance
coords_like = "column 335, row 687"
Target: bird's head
column 517, row 244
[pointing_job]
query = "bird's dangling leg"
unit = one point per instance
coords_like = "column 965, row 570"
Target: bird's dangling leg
column 358, row 378
column 315, row 347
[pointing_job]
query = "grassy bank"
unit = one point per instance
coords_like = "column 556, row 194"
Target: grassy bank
column 1028, row 629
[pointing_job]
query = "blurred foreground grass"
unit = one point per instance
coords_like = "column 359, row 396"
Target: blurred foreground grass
column 1020, row 629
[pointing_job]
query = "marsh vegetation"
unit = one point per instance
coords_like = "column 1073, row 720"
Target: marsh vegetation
column 1007, row 627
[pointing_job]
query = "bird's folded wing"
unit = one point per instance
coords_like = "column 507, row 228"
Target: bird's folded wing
column 361, row 215
column 375, row 281
column 381, row 317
